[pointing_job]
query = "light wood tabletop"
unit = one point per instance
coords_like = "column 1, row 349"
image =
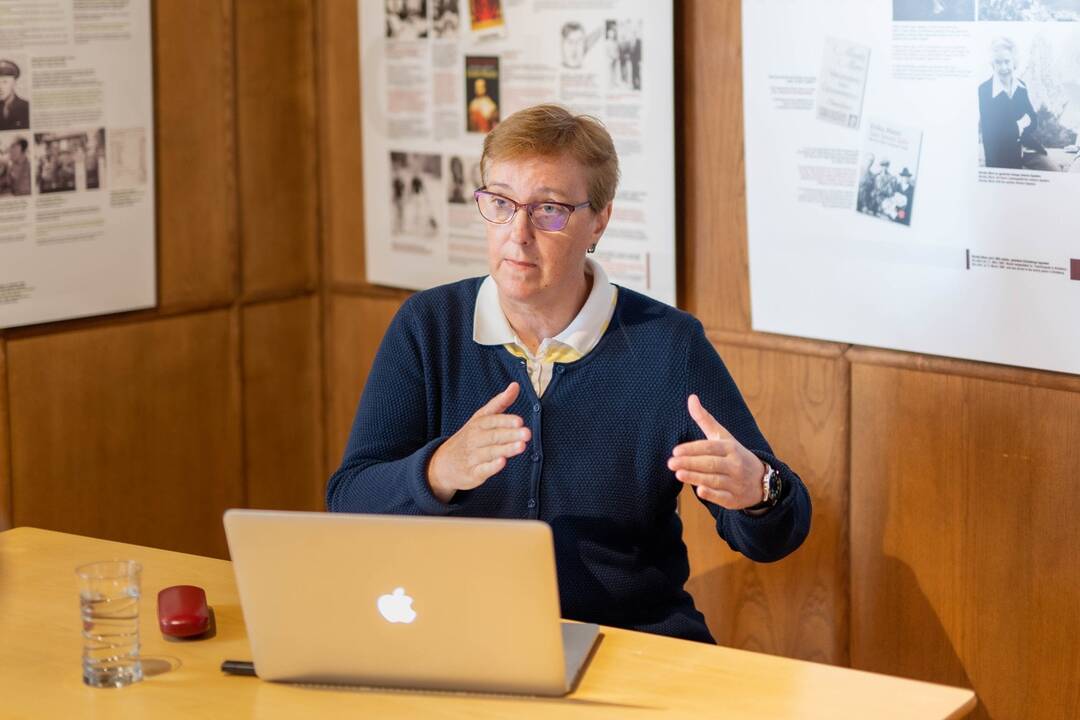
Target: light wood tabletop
column 630, row 675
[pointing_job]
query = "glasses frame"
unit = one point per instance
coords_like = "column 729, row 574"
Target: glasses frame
column 529, row 208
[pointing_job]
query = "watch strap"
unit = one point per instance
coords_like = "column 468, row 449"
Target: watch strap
column 771, row 487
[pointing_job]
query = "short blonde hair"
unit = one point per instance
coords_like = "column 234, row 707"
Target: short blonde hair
column 552, row 131
column 1003, row 43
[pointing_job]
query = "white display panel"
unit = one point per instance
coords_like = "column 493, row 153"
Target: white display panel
column 435, row 76
column 77, row 234
column 888, row 201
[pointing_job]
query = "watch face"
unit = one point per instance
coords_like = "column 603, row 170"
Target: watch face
column 774, row 486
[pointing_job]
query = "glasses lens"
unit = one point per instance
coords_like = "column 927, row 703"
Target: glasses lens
column 494, row 208
column 549, row 216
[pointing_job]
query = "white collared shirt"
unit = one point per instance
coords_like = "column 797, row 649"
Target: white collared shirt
column 996, row 87
column 490, row 327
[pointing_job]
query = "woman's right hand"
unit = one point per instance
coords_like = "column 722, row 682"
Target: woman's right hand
column 480, row 448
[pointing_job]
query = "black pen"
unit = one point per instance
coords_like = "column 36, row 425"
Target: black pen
column 238, row 667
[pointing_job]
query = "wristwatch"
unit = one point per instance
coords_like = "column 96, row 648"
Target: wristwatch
column 771, row 487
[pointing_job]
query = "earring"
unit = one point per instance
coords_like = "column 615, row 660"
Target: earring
column 591, row 250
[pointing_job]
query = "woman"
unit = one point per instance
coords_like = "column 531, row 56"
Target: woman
column 611, row 43
column 543, row 391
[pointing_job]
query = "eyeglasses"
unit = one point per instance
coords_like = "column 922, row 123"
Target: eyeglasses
column 549, row 216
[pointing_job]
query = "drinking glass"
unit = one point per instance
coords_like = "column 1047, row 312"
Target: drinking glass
column 109, row 600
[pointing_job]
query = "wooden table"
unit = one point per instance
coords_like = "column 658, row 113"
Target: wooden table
column 631, row 674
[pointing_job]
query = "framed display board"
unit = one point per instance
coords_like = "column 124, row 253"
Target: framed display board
column 77, row 233
column 437, row 75
column 912, row 175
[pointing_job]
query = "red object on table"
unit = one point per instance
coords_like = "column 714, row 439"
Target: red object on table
column 182, row 611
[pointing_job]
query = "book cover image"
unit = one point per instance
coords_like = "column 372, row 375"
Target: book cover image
column 481, row 93
column 486, row 15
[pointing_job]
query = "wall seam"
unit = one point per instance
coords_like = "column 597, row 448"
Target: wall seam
column 776, row 343
column 325, row 228
column 847, row 588
column 238, row 250
column 7, row 470
column 957, row 367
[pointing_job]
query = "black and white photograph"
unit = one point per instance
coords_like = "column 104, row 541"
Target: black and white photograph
column 462, row 177
column 445, row 18
column 16, row 164
column 1029, row 102
column 406, row 19
column 888, row 172
column 416, row 186
column 128, row 150
column 934, row 10
column 1030, row 10
column 14, row 94
column 622, row 46
column 70, row 161
column 457, row 192
column 575, row 42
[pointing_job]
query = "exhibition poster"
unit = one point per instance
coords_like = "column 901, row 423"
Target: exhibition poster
column 913, row 175
column 76, row 160
column 437, row 75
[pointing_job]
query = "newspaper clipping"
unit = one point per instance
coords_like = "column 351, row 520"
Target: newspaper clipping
column 911, row 172
column 76, row 161
column 437, row 76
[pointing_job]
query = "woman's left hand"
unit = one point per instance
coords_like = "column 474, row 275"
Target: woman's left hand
column 721, row 469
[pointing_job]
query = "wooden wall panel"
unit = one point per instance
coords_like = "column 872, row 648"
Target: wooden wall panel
column 129, row 432
column 283, row 408
column 5, row 444
column 355, row 325
column 797, row 607
column 967, row 368
column 342, row 174
column 275, row 79
column 963, row 531
column 195, row 153
column 712, row 194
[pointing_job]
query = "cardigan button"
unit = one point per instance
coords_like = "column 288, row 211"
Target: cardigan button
column 536, row 407
column 532, row 503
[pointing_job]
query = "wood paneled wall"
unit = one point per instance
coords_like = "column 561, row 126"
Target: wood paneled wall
column 943, row 489
column 943, row 501
column 196, row 148
column 129, row 431
column 963, row 507
column 146, row 426
column 797, row 607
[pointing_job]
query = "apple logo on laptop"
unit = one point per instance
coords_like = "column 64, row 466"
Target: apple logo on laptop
column 397, row 607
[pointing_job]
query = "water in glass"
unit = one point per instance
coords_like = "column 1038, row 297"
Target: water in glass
column 109, row 600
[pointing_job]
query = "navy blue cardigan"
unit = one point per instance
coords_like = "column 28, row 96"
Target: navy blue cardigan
column 595, row 469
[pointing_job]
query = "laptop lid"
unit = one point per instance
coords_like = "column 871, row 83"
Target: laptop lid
column 400, row 601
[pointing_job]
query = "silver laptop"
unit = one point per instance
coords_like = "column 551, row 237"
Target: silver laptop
column 398, row 601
